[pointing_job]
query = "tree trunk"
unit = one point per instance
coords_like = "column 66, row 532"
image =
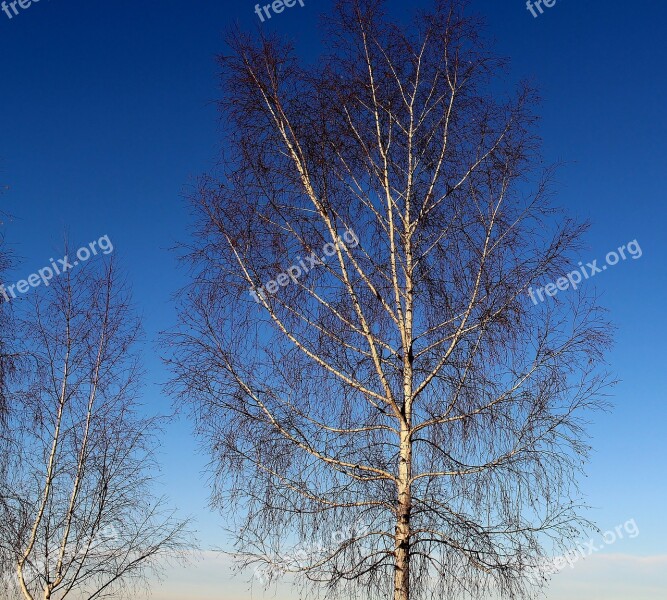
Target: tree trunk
column 402, row 547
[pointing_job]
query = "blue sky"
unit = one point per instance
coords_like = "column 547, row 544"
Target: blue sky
column 108, row 116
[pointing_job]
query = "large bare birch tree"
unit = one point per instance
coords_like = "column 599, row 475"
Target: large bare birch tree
column 358, row 345
column 78, row 515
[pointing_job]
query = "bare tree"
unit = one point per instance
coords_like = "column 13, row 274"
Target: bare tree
column 78, row 517
column 7, row 369
column 358, row 345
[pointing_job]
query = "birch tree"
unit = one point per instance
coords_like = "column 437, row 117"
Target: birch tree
column 7, row 368
column 358, row 344
column 78, row 516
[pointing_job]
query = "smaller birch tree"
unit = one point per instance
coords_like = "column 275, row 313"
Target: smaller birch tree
column 78, row 517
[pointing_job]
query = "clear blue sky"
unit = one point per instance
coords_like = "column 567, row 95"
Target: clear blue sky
column 107, row 116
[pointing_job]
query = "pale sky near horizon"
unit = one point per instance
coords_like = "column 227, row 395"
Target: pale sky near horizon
column 109, row 115
column 613, row 576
